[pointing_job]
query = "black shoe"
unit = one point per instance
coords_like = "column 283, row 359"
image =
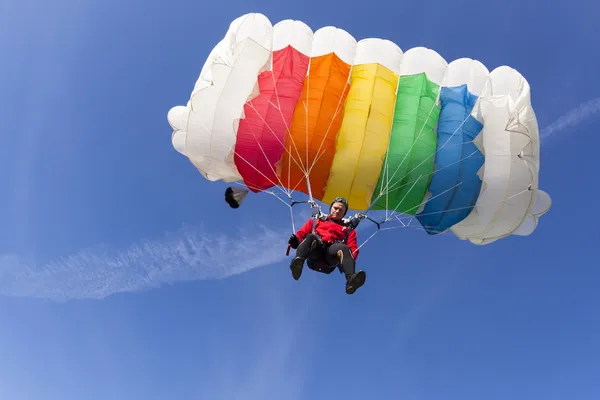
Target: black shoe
column 296, row 266
column 354, row 281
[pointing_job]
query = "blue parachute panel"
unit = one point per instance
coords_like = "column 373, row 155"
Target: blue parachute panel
column 455, row 185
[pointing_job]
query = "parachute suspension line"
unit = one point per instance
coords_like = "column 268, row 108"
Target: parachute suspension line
column 378, row 224
column 373, row 204
column 320, row 152
column 300, row 165
column 386, row 168
column 310, row 165
column 287, row 129
column 395, row 216
column 270, row 166
column 306, row 172
column 289, row 174
column 387, row 218
column 288, row 194
column 517, row 194
column 369, row 238
column 262, row 191
column 315, row 208
column 410, row 219
column 389, row 179
column 298, row 162
column 291, row 157
column 304, row 168
column 294, row 202
column 397, row 185
column 393, row 187
column 292, row 218
column 251, row 187
column 407, row 226
column 444, row 211
column 310, row 196
column 277, row 197
column 433, row 154
column 404, row 225
column 434, row 197
column 282, row 144
column 412, row 145
column 232, row 149
column 313, row 204
column 289, row 205
column 389, row 188
column 338, row 109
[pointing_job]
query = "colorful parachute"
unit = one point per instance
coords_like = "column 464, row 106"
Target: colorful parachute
column 453, row 145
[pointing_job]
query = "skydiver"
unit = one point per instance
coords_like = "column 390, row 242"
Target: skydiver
column 334, row 244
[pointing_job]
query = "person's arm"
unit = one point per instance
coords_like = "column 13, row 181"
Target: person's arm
column 354, row 220
column 352, row 243
column 304, row 230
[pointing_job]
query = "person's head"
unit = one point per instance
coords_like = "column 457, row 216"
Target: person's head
column 339, row 207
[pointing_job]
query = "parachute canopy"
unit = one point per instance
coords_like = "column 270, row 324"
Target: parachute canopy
column 452, row 144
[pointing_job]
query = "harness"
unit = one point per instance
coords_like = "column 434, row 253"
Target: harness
column 323, row 217
column 321, row 265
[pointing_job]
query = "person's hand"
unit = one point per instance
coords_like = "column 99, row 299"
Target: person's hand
column 294, row 242
column 355, row 220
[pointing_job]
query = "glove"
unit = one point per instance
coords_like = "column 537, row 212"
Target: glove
column 294, row 242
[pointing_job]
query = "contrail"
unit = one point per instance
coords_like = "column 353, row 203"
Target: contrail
column 189, row 254
column 573, row 117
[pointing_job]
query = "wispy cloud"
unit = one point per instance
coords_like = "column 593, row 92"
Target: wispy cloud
column 575, row 116
column 189, row 254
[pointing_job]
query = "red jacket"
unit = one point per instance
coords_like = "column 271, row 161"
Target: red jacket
column 331, row 231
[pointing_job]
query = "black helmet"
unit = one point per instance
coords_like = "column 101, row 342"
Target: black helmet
column 340, row 200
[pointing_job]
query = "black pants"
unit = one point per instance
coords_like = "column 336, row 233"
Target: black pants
column 318, row 252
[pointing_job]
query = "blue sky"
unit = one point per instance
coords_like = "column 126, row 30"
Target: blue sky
column 124, row 275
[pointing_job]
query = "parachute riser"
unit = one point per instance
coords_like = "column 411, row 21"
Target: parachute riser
column 292, row 204
column 373, row 204
column 375, row 222
column 316, row 212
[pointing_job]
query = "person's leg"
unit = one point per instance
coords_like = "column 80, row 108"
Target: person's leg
column 342, row 252
column 309, row 247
